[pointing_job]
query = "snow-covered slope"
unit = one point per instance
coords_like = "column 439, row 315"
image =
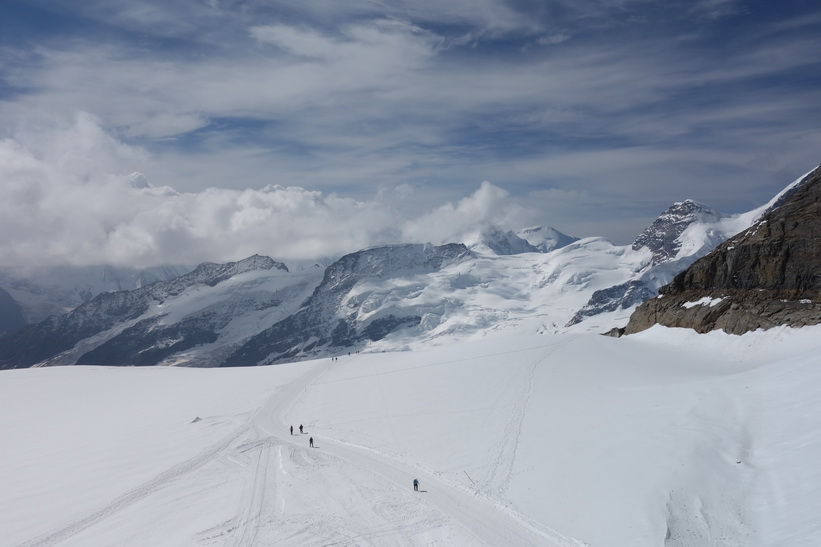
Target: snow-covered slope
column 207, row 310
column 41, row 292
column 662, row 438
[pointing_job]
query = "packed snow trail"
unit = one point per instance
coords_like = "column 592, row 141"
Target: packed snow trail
column 228, row 444
column 281, row 475
column 483, row 521
column 490, row 524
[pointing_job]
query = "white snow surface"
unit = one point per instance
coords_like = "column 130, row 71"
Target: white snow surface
column 705, row 301
column 665, row 437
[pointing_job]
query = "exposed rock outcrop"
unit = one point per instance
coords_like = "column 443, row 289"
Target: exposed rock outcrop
column 613, row 298
column 662, row 236
column 768, row 275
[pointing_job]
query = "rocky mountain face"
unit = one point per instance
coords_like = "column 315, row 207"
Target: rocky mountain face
column 47, row 339
column 670, row 249
column 335, row 316
column 767, row 275
column 662, row 237
column 241, row 313
column 617, row 297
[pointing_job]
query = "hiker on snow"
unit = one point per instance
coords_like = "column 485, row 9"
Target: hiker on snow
column 311, row 442
column 292, row 430
column 300, row 428
column 416, row 485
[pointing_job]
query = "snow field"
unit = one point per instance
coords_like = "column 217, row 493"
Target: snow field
column 661, row 438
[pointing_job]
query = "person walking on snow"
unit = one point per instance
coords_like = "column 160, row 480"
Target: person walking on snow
column 300, row 429
column 416, row 485
column 311, row 442
column 292, row 430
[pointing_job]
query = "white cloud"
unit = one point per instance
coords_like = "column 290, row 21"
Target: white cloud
column 460, row 222
column 63, row 202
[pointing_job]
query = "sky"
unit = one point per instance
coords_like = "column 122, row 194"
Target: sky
column 147, row 132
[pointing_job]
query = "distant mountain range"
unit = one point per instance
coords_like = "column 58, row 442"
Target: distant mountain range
column 258, row 311
column 41, row 292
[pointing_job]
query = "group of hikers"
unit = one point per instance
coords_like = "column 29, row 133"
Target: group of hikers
column 311, row 445
column 310, row 440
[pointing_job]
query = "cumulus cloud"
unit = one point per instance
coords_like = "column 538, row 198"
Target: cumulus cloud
column 64, row 201
column 463, row 221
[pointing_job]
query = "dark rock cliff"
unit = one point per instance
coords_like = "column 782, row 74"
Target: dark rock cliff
column 768, row 275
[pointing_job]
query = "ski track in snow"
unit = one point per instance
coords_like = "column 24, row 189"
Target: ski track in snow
column 254, row 500
column 502, row 467
column 482, row 516
column 144, row 490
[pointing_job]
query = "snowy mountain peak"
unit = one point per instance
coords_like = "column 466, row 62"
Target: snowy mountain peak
column 546, row 238
column 536, row 239
column 502, row 242
column 392, row 259
column 662, row 237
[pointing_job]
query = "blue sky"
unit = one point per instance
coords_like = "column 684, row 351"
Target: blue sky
column 590, row 116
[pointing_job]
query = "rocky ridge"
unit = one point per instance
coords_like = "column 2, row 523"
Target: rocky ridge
column 665, row 241
column 662, row 237
column 767, row 275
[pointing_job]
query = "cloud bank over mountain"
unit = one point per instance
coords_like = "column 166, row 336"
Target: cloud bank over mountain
column 63, row 201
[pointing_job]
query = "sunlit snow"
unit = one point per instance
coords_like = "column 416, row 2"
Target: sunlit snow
column 662, row 438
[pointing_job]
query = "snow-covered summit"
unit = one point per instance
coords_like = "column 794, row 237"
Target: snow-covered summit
column 500, row 242
column 535, row 239
column 546, row 238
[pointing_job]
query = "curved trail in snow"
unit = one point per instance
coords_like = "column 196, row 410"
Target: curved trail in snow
column 338, row 493
column 228, row 444
column 487, row 521
column 143, row 490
